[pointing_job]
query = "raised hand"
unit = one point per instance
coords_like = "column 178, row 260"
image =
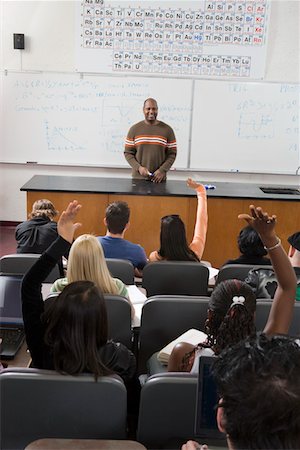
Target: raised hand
column 261, row 221
column 192, row 183
column 65, row 225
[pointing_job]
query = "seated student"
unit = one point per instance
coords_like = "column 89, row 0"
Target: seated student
column 71, row 335
column 39, row 231
column 231, row 307
column 294, row 255
column 86, row 262
column 173, row 243
column 251, row 248
column 258, row 383
column 113, row 243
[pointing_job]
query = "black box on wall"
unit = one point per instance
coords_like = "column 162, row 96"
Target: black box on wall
column 19, row 41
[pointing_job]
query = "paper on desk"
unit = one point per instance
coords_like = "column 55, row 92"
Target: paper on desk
column 212, row 272
column 135, row 295
column 136, row 322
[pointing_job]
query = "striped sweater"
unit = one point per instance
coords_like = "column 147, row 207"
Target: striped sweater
column 150, row 146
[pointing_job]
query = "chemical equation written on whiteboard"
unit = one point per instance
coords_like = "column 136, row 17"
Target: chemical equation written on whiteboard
column 259, row 119
column 206, row 38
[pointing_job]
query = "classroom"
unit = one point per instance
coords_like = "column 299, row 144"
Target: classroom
column 74, row 75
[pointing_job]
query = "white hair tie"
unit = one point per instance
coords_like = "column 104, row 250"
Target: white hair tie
column 238, row 300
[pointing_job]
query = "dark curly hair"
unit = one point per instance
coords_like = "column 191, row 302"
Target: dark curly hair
column 258, row 382
column 229, row 323
column 250, row 243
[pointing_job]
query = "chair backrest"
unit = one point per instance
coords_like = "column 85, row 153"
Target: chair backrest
column 167, row 410
column 37, row 404
column 122, row 269
column 175, row 278
column 166, row 317
column 20, row 263
column 119, row 317
column 263, row 307
column 236, row 271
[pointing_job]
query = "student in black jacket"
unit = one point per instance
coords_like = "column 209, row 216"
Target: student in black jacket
column 39, row 231
column 71, row 335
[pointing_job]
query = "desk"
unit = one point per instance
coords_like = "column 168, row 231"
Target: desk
column 84, row 444
column 149, row 202
column 22, row 358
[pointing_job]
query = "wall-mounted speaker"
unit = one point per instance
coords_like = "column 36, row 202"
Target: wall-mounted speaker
column 19, row 41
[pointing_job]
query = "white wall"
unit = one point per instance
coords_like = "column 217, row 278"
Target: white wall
column 45, row 50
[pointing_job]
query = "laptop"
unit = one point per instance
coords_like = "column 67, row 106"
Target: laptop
column 206, row 401
column 11, row 319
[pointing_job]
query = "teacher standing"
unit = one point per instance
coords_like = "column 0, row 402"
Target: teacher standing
column 150, row 146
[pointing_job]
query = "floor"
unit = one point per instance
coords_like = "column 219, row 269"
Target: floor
column 7, row 240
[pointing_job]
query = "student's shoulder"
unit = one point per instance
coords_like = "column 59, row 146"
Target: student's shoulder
column 154, row 256
column 132, row 245
column 59, row 285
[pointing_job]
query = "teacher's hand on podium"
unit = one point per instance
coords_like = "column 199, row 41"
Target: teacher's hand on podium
column 143, row 171
column 158, row 176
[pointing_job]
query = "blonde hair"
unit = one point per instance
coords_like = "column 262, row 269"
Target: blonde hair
column 86, row 262
column 43, row 207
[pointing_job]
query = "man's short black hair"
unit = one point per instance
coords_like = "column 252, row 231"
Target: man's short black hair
column 259, row 384
column 117, row 217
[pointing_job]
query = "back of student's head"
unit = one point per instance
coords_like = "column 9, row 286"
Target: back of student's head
column 173, row 243
column 250, row 243
column 76, row 328
column 86, row 262
column 117, row 217
column 43, row 208
column 231, row 314
column 294, row 240
column 258, row 382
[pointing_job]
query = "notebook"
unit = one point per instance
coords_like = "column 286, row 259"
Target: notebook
column 11, row 319
column 206, row 401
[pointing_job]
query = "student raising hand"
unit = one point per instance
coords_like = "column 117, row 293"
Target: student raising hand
column 65, row 225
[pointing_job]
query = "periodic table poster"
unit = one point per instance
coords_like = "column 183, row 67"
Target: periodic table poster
column 208, row 38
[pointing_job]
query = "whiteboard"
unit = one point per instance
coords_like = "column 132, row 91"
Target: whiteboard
column 245, row 127
column 71, row 120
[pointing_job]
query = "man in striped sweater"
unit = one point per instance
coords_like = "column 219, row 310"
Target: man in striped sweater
column 150, row 146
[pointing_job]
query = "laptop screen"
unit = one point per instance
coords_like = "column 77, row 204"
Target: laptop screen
column 207, row 399
column 10, row 300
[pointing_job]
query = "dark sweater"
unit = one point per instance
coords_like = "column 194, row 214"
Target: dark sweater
column 251, row 260
column 35, row 235
column 114, row 355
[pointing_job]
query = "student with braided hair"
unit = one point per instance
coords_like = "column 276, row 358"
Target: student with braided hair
column 231, row 308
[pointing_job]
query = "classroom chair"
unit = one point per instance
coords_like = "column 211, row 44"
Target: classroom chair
column 122, row 269
column 263, row 307
column 39, row 404
column 118, row 314
column 175, row 278
column 164, row 318
column 167, row 410
column 20, row 263
column 236, row 271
